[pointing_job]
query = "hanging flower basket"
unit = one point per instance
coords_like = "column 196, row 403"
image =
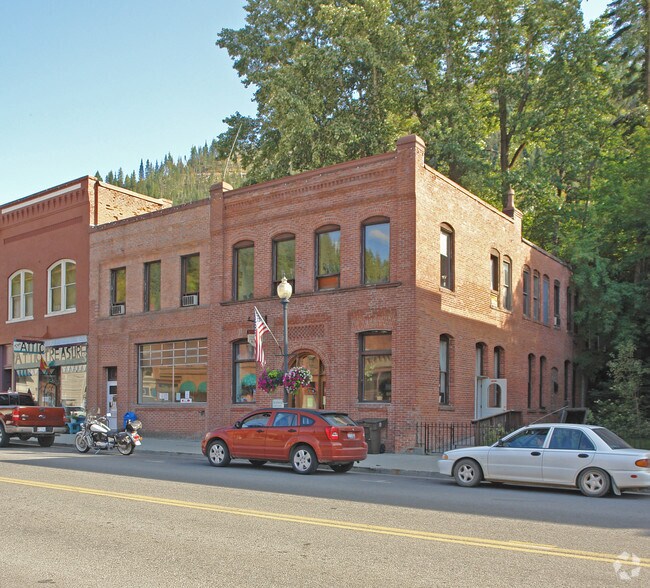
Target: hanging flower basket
column 296, row 378
column 269, row 381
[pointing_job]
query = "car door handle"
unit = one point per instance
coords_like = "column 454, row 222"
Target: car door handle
column 536, row 453
column 293, row 431
column 583, row 455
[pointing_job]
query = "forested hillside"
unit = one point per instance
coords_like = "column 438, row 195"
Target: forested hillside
column 506, row 94
column 181, row 180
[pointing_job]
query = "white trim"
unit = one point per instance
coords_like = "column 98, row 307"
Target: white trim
column 60, row 312
column 75, row 340
column 19, row 320
column 40, row 198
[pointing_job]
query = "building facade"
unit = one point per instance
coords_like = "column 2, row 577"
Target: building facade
column 413, row 301
column 44, row 264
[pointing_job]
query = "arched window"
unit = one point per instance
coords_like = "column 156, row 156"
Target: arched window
column 328, row 258
column 243, row 270
column 376, row 251
column 546, row 303
column 536, row 296
column 445, row 369
column 447, row 261
column 526, row 291
column 499, row 362
column 284, row 260
column 481, row 348
column 531, row 375
column 21, row 295
column 62, row 287
column 506, row 283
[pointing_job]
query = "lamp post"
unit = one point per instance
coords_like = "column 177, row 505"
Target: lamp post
column 284, row 293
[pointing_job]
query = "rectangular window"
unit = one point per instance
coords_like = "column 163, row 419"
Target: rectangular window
column 190, row 279
column 375, row 367
column 243, row 272
column 175, row 372
column 284, row 261
column 444, row 370
column 556, row 303
column 506, row 285
column 446, row 259
column 152, row 286
column 526, row 292
column 376, row 253
column 328, row 264
column 244, row 379
column 546, row 303
column 118, row 291
column 536, row 308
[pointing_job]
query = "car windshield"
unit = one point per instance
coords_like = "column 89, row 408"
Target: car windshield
column 338, row 419
column 612, row 439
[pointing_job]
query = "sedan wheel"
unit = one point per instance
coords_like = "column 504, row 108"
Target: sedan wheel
column 303, row 460
column 218, row 454
column 468, row 473
column 341, row 468
column 594, row 482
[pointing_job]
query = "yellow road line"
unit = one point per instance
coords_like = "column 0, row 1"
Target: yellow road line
column 515, row 546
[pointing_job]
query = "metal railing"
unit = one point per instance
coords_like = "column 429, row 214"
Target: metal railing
column 440, row 437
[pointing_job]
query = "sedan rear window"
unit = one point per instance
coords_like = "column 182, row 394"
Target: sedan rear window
column 339, row 420
column 612, row 439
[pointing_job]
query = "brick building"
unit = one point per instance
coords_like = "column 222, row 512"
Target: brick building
column 44, row 263
column 413, row 301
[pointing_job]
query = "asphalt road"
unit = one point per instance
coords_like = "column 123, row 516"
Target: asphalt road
column 169, row 520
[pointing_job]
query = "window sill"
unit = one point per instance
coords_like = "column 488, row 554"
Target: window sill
column 20, row 320
column 447, row 407
column 61, row 312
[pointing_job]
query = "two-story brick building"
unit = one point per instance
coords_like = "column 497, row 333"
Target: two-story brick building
column 413, row 300
column 44, row 264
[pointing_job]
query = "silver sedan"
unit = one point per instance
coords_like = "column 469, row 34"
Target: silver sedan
column 588, row 457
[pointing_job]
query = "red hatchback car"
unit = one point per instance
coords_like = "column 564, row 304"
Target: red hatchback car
column 304, row 438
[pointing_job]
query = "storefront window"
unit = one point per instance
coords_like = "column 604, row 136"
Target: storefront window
column 244, row 378
column 173, row 372
column 376, row 365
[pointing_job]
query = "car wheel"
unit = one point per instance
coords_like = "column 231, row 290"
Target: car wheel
column 341, row 468
column 468, row 473
column 4, row 438
column 46, row 441
column 303, row 460
column 258, row 463
column 594, row 482
column 218, row 453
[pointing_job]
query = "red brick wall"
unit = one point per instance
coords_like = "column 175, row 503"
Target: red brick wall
column 412, row 306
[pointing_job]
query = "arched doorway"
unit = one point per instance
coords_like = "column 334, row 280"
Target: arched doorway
column 312, row 396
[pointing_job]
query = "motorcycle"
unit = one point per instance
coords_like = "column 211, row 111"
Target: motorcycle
column 96, row 434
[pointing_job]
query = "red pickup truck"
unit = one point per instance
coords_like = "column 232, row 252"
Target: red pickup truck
column 21, row 417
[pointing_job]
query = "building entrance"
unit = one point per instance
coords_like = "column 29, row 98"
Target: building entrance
column 312, row 396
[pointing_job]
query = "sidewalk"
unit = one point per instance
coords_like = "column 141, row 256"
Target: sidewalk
column 406, row 464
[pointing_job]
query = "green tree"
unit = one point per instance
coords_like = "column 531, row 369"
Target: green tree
column 327, row 76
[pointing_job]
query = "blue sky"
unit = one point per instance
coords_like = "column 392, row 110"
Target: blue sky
column 93, row 85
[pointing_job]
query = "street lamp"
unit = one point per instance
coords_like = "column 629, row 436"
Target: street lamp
column 284, row 293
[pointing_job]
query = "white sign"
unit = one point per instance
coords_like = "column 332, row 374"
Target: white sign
column 277, row 403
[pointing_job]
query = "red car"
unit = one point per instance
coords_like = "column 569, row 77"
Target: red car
column 303, row 438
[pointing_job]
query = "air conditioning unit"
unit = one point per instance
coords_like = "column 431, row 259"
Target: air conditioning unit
column 556, row 321
column 118, row 309
column 190, row 300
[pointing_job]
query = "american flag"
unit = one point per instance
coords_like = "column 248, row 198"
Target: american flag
column 260, row 328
